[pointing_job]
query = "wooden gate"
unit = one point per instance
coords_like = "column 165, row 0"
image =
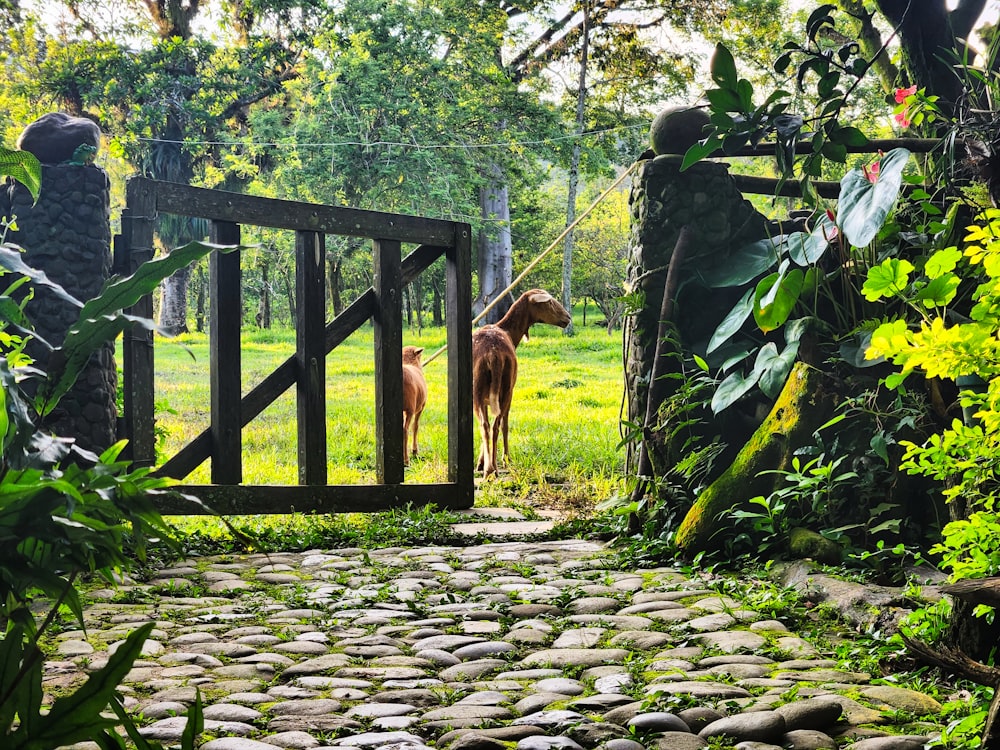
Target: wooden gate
column 315, row 338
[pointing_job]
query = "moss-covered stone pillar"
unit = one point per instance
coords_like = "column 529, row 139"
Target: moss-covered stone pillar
column 663, row 200
column 67, row 234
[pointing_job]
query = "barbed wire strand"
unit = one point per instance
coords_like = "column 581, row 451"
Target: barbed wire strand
column 398, row 144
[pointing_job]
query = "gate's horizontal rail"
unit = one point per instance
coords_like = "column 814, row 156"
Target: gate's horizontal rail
column 241, row 499
column 284, row 375
column 218, row 205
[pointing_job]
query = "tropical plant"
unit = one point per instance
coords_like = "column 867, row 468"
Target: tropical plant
column 938, row 344
column 64, row 511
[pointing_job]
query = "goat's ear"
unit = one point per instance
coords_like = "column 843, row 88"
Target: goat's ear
column 539, row 298
column 418, row 351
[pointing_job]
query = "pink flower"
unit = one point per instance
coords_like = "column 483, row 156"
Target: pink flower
column 901, row 94
column 830, row 231
column 872, row 172
column 902, row 118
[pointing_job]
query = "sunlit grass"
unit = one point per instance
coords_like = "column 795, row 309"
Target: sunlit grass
column 564, row 421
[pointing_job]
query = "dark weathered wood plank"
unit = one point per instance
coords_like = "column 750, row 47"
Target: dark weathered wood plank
column 916, row 145
column 388, row 325
column 174, row 198
column 225, row 311
column 188, row 458
column 458, row 312
column 245, row 499
column 137, row 343
column 790, row 188
column 310, row 354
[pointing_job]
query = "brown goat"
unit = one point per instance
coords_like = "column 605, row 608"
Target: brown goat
column 494, row 367
column 414, row 398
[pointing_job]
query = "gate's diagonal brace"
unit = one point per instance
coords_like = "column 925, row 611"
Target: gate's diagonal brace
column 285, row 375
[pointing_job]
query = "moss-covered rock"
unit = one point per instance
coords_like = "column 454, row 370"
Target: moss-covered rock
column 676, row 129
column 806, row 543
column 806, row 402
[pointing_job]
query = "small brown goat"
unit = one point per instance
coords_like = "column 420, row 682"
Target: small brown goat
column 414, row 398
column 494, row 367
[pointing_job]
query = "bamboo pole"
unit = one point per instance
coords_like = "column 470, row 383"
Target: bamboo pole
column 538, row 259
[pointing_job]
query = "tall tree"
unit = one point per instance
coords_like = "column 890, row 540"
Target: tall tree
column 170, row 99
column 574, row 166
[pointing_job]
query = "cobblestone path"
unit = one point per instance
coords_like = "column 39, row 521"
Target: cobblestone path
column 522, row 644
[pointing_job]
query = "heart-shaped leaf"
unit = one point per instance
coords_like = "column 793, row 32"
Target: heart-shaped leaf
column 775, row 298
column 732, row 322
column 864, row 205
column 731, row 389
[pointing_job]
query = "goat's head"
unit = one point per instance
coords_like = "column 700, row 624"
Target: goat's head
column 544, row 308
column 411, row 355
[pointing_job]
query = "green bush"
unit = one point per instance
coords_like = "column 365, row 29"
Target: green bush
column 65, row 512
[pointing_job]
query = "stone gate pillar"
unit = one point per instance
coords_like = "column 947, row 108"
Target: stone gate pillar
column 67, row 234
column 664, row 199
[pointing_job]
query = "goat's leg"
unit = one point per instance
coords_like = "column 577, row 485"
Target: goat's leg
column 484, row 436
column 506, row 447
column 416, row 428
column 492, row 457
column 407, row 418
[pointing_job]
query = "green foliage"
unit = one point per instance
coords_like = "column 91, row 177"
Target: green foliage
column 23, row 167
column 64, row 513
column 738, row 121
column 966, row 456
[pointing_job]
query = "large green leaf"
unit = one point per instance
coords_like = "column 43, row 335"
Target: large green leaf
column 775, row 298
column 23, row 167
column 744, row 265
column 807, row 248
column 121, row 293
column 888, row 279
column 78, row 717
column 11, row 652
column 732, row 388
column 102, row 320
column 773, row 367
column 864, row 205
column 732, row 322
column 723, row 68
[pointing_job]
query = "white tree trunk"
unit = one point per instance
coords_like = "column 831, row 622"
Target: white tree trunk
column 496, row 254
column 574, row 172
column 173, row 302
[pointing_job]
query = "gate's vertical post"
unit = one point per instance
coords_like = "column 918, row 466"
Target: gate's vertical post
column 310, row 353
column 458, row 314
column 225, row 310
column 388, row 324
column 137, row 341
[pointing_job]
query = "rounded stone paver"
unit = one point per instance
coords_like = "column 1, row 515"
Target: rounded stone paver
column 546, row 645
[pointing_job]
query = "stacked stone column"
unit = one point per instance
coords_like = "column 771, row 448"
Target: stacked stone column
column 663, row 200
column 67, row 234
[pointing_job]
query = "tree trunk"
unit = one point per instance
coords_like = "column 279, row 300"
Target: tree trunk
column 870, row 39
column 333, row 274
column 574, row 171
column 264, row 309
column 928, row 32
column 436, row 310
column 290, row 296
column 496, row 254
column 173, row 303
column 806, row 402
column 199, row 310
column 417, row 301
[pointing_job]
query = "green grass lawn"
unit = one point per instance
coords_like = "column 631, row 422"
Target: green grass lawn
column 563, row 425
